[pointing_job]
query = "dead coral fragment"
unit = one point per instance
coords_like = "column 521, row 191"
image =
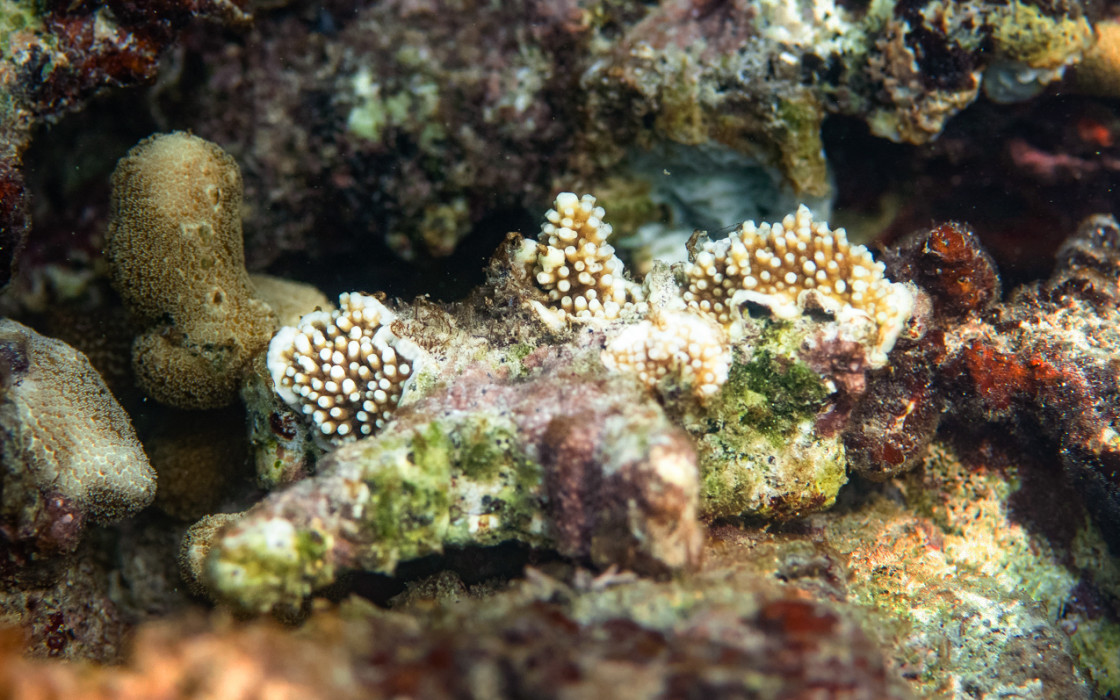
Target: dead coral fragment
column 343, row 369
column 575, row 265
column 786, row 265
column 175, row 247
column 679, row 344
column 587, row 465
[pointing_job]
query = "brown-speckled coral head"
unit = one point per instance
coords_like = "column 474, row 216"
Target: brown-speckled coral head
column 174, row 243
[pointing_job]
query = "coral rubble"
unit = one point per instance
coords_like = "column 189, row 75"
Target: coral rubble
column 586, row 465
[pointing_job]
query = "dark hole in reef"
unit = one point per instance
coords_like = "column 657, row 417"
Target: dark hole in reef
column 472, row 565
column 378, row 269
column 974, row 174
column 755, row 310
column 67, row 170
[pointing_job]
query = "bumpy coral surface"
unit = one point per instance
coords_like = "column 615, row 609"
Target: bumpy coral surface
column 789, row 265
column 344, row 370
column 56, row 57
column 576, row 266
column 178, row 197
column 70, row 454
column 683, row 346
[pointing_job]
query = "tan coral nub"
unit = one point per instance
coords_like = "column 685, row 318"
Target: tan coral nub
column 576, row 266
column 345, row 370
column 683, row 344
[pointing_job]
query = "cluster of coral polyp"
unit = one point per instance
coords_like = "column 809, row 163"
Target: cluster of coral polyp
column 576, row 266
column 684, row 347
column 343, row 369
column 788, row 265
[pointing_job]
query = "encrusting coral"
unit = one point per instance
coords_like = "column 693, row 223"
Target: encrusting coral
column 790, row 265
column 576, row 266
column 69, row 451
column 344, row 369
column 177, row 198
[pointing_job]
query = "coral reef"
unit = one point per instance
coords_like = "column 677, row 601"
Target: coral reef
column 944, row 587
column 871, row 461
column 735, row 91
column 70, row 454
column 178, row 197
column 1038, row 364
column 418, row 486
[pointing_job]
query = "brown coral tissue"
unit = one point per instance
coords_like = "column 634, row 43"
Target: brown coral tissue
column 178, row 197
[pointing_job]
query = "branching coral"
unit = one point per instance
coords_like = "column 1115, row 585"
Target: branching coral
column 343, row 369
column 789, row 265
column 576, row 266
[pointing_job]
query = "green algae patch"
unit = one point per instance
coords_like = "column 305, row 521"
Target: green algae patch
column 271, row 565
column 19, row 16
column 798, row 134
column 406, row 511
column 1023, row 32
column 498, row 489
column 760, row 454
column 773, row 395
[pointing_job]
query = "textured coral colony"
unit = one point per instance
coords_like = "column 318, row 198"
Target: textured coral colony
column 805, row 386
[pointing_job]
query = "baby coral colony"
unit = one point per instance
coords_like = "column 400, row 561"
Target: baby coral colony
column 345, row 370
column 576, row 266
column 784, row 265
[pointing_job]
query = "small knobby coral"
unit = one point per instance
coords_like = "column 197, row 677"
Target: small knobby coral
column 345, row 369
column 576, row 266
column 785, row 266
column 684, row 344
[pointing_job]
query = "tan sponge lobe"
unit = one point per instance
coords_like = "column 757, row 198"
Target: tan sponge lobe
column 175, row 247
